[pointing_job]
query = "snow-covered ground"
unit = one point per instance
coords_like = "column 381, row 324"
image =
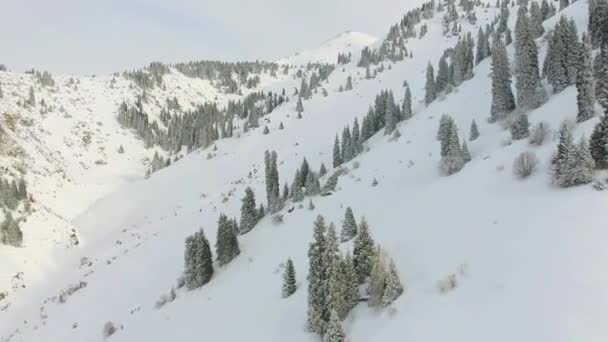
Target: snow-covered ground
column 528, row 256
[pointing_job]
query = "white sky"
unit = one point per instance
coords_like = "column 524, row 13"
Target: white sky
column 102, row 36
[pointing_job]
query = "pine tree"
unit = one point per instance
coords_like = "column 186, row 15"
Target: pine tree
column 378, row 279
column 536, row 20
column 520, row 128
column 337, row 153
column 474, row 131
column 442, row 79
column 351, row 282
column 296, row 188
column 561, row 62
column 334, row 332
column 573, row 164
column 530, row 94
column 393, row 288
column 601, row 75
column 10, row 233
column 349, row 84
column 31, row 100
column 299, row 106
column 289, row 279
column 331, row 183
column 198, row 263
column 585, row 98
column 430, row 87
column 349, row 226
column 322, row 170
column 249, row 214
column 453, row 160
column 599, row 143
column 503, row 101
column 227, row 244
column 363, row 252
column 347, row 150
column 406, row 111
column 317, row 277
column 336, row 300
column 482, row 53
column 356, row 138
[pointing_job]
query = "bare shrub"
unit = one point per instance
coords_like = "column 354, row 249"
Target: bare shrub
column 356, row 165
column 525, row 164
column 165, row 298
column 448, row 284
column 108, row 329
column 181, row 282
column 539, row 133
column 277, row 219
column 63, row 296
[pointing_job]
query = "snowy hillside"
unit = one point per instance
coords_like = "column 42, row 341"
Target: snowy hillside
column 346, row 42
column 523, row 259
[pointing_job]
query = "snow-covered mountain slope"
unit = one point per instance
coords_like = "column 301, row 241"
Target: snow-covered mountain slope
column 346, row 42
column 528, row 256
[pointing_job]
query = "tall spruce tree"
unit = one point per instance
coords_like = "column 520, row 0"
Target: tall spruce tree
column 363, row 252
column 227, row 244
column 520, row 127
column 474, row 133
column 337, row 155
column 334, row 332
column 393, row 288
column 349, row 226
column 453, row 160
column 198, row 261
column 249, row 214
column 599, row 143
column 430, row 87
column 530, row 94
column 585, row 98
column 406, row 111
column 317, row 277
column 289, row 279
column 601, row 75
column 503, row 101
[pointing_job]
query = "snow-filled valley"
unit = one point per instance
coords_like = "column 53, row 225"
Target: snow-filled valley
column 103, row 243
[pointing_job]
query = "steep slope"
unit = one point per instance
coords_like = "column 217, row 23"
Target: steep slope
column 526, row 254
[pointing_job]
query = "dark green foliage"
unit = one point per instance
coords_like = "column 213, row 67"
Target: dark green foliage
column 598, row 144
column 289, row 279
column 363, row 252
column 520, row 128
column 249, row 214
column 10, row 233
column 198, row 261
column 227, row 244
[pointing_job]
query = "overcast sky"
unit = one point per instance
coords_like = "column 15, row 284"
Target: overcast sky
column 102, row 36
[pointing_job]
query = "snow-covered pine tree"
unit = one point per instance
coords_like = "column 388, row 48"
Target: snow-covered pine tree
column 585, row 98
column 336, row 289
column 349, row 83
column 337, row 160
column 393, row 288
column 453, row 160
column 313, row 187
column 430, row 87
column 599, row 143
column 351, row 282
column 598, row 22
column 482, row 53
column 561, row 63
column 331, row 183
column 406, row 110
column 349, row 226
column 261, row 212
column 363, row 252
column 601, row 75
column 474, row 133
column 31, row 99
column 377, row 279
column 249, row 214
column 334, row 332
column 356, row 138
column 227, row 244
column 520, row 127
column 198, row 261
column 574, row 164
column 296, row 188
column 536, row 20
column 441, row 81
column 530, row 94
column 10, row 233
column 503, row 101
column 317, row 278
column 299, row 105
column 347, row 150
column 322, row 170
column 289, row 279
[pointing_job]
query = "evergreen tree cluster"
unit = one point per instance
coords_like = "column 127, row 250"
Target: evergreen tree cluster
column 562, row 60
column 600, row 66
column 334, row 279
column 222, row 73
column 149, row 77
column 344, row 58
column 454, row 67
column 453, row 154
column 530, row 94
column 10, row 233
column 44, row 78
column 573, row 165
column 11, row 193
column 503, row 100
column 598, row 143
column 598, row 22
column 249, row 214
column 393, row 47
column 198, row 261
column 227, row 244
column 305, row 183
